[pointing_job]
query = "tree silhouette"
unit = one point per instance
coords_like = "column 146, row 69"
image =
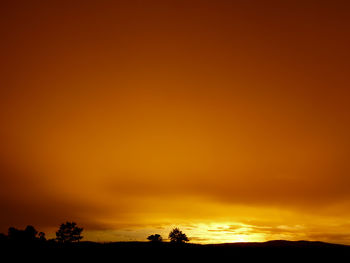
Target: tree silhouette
column 3, row 237
column 176, row 236
column 28, row 234
column 155, row 238
column 69, row 232
column 14, row 233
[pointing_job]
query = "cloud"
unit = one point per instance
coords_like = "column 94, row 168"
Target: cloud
column 195, row 120
column 299, row 192
column 27, row 198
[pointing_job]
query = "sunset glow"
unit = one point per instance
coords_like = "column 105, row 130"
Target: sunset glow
column 227, row 119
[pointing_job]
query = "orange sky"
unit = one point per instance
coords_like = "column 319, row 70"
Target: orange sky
column 229, row 119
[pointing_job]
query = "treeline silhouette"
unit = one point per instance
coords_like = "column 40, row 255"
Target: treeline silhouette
column 69, row 233
column 69, row 237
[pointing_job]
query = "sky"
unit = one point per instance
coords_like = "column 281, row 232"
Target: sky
column 227, row 119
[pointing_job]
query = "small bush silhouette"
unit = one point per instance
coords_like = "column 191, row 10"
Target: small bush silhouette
column 69, row 232
column 42, row 236
column 176, row 236
column 155, row 238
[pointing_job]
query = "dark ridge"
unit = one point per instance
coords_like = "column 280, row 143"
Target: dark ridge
column 282, row 244
column 272, row 251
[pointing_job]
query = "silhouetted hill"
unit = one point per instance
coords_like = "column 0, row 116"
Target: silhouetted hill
column 272, row 250
column 282, row 244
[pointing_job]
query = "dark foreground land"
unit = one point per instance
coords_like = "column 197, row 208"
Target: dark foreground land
column 277, row 251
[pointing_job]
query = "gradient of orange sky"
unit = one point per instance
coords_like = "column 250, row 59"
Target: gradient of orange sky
column 230, row 119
